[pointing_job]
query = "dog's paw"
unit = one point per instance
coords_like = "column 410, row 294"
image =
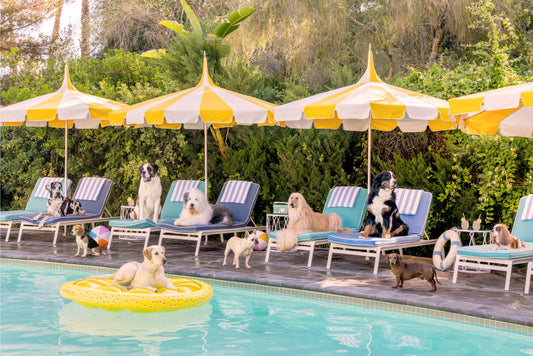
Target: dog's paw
column 386, row 236
column 41, row 225
column 35, row 218
column 248, row 266
column 84, row 255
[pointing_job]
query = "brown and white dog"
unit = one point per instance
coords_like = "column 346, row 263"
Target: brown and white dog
column 383, row 217
column 149, row 199
column 148, row 274
column 241, row 247
column 501, row 239
column 86, row 242
column 303, row 219
column 404, row 271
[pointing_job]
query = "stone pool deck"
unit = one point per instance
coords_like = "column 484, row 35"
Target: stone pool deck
column 475, row 294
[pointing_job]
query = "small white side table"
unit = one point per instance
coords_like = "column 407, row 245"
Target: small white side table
column 276, row 222
column 472, row 234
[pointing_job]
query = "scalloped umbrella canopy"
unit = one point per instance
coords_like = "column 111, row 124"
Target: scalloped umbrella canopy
column 368, row 104
column 508, row 110
column 198, row 107
column 62, row 109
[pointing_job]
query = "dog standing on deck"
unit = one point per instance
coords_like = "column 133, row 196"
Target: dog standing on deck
column 405, row 271
column 149, row 199
column 383, row 217
column 501, row 239
column 148, row 274
column 198, row 211
column 241, row 247
column 85, row 242
column 303, row 219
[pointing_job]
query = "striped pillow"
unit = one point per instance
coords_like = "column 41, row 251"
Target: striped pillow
column 408, row 200
column 527, row 213
column 343, row 197
column 181, row 187
column 89, row 188
column 235, row 191
column 41, row 189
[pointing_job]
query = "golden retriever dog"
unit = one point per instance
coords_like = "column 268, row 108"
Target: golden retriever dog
column 501, row 239
column 148, row 274
column 303, row 219
column 404, row 271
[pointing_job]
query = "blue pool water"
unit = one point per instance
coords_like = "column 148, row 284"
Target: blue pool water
column 35, row 319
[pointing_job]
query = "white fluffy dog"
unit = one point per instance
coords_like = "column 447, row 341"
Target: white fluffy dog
column 198, row 211
column 303, row 219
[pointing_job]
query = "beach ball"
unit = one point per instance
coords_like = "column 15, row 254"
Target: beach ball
column 100, row 234
column 263, row 241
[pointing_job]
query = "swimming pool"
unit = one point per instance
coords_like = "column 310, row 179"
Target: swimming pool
column 36, row 319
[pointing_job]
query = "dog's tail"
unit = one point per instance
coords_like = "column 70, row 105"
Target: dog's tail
column 335, row 224
column 435, row 274
column 287, row 239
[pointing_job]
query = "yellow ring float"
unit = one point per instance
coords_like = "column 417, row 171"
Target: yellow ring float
column 102, row 293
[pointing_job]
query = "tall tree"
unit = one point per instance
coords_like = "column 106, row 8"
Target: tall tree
column 85, row 28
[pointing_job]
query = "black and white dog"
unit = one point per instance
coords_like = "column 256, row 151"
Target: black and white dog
column 149, row 199
column 383, row 218
column 57, row 205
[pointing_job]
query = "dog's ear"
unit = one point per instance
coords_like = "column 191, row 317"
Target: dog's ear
column 186, row 196
column 49, row 187
column 246, row 234
column 147, row 252
column 141, row 168
column 156, row 168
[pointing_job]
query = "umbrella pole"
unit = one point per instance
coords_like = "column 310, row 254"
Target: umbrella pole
column 369, row 153
column 205, row 158
column 66, row 159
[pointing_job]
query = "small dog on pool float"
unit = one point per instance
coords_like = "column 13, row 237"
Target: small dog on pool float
column 501, row 239
column 198, row 211
column 148, row 274
column 383, row 217
column 303, row 219
column 241, row 247
column 404, row 271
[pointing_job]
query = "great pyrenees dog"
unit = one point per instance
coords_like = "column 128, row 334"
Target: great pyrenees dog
column 303, row 219
column 198, row 211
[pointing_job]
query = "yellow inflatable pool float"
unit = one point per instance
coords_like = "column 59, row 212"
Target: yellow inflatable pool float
column 101, row 293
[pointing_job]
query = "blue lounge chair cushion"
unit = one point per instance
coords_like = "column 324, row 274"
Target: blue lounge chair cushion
column 13, row 214
column 133, row 224
column 484, row 251
column 308, row 236
column 52, row 221
column 355, row 239
column 169, row 225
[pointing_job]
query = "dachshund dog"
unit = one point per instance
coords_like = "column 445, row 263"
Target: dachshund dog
column 405, row 271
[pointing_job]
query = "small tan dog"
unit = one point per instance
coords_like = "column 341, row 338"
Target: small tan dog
column 405, row 271
column 303, row 219
column 85, row 242
column 501, row 239
column 241, row 247
column 149, row 274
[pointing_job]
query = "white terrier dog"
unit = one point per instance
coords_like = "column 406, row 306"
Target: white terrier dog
column 198, row 211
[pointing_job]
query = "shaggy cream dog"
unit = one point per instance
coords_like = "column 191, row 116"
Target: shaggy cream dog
column 501, row 239
column 198, row 211
column 303, row 219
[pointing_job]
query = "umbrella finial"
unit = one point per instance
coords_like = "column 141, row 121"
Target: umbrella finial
column 67, row 85
column 370, row 73
column 206, row 79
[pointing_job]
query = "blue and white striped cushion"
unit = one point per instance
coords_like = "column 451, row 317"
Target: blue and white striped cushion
column 343, row 197
column 527, row 213
column 235, row 191
column 408, row 200
column 41, row 189
column 181, row 187
column 89, row 188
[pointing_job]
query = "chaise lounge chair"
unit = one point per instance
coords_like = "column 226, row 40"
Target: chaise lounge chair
column 36, row 203
column 92, row 192
column 238, row 196
column 348, row 202
column 481, row 256
column 414, row 208
column 171, row 211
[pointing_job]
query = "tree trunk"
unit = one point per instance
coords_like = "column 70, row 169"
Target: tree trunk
column 85, row 28
column 439, row 34
column 56, row 28
column 392, row 68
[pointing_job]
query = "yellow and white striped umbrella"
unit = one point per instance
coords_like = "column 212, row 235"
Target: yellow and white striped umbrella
column 65, row 106
column 368, row 104
column 206, row 103
column 62, row 109
column 509, row 110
